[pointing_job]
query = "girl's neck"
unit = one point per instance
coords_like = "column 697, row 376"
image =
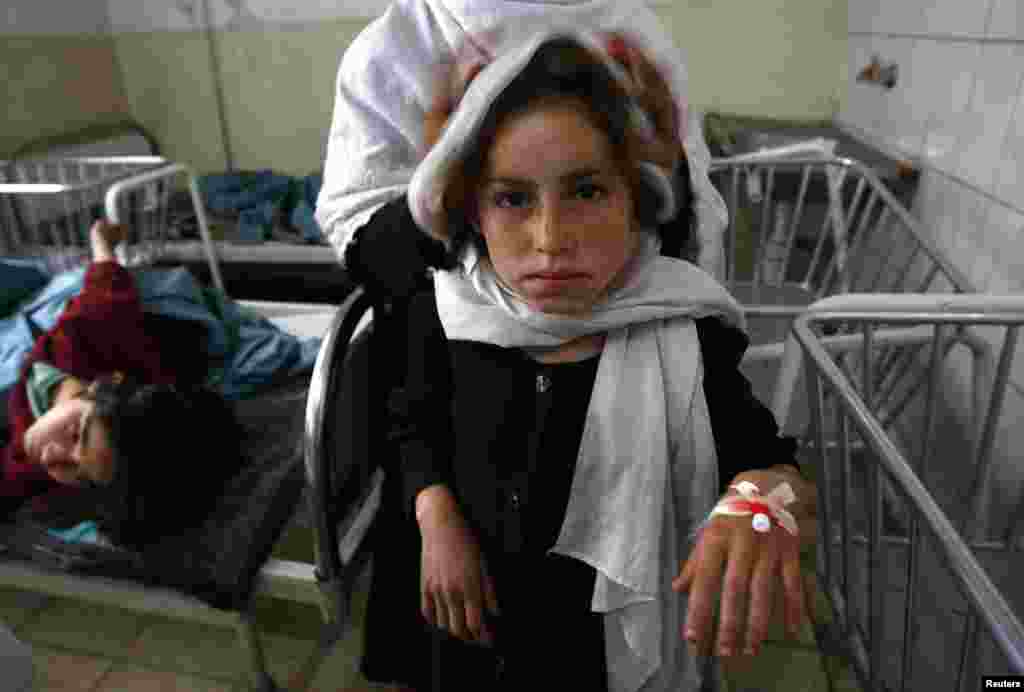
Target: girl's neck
column 573, row 351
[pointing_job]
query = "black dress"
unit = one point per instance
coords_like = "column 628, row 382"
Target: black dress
column 503, row 432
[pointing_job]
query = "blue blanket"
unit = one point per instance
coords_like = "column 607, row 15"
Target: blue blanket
column 259, row 198
column 245, row 350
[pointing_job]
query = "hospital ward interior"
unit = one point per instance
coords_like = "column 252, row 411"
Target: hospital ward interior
column 226, row 227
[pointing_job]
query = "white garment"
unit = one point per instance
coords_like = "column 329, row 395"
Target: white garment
column 513, row 54
column 644, row 478
column 386, row 81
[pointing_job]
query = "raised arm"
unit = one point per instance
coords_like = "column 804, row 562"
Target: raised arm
column 101, row 329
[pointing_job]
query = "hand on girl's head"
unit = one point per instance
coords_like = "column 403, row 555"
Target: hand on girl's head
column 453, row 78
column 652, row 92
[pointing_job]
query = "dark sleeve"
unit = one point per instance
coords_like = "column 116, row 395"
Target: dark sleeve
column 419, row 410
column 746, row 434
column 678, row 238
column 389, row 255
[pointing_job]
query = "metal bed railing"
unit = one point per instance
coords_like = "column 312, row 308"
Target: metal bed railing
column 802, row 229
column 919, row 504
column 46, row 210
column 806, row 228
column 48, row 205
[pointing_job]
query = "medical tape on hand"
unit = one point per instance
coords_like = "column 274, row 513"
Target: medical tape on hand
column 767, row 509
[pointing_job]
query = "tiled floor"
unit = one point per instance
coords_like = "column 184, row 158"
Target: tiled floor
column 85, row 648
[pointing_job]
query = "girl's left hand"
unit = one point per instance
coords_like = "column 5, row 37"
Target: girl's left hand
column 52, row 439
column 747, row 567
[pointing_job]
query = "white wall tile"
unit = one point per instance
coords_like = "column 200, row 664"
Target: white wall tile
column 897, row 122
column 899, row 16
column 1006, row 19
column 993, row 99
column 1009, row 167
column 931, row 204
column 862, row 14
column 22, row 17
column 943, row 80
column 1005, row 242
column 953, row 17
column 864, row 103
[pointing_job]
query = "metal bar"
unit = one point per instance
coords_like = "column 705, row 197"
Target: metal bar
column 857, row 260
column 910, row 624
column 794, row 226
column 983, row 462
column 819, row 248
column 733, row 226
column 767, row 205
column 817, row 423
column 876, row 588
column 999, row 618
column 846, row 492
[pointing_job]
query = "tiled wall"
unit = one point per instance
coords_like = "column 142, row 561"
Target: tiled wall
column 957, row 108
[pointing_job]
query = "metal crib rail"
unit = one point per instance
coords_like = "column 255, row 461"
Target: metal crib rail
column 861, row 215
column 843, row 407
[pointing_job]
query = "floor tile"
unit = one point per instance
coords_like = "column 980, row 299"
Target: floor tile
column 340, row 669
column 216, row 652
column 61, row 671
column 17, row 606
column 183, row 647
column 123, row 678
column 781, row 669
column 286, row 656
column 84, row 627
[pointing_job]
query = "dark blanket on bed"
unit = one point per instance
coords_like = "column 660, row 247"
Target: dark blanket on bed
column 218, row 561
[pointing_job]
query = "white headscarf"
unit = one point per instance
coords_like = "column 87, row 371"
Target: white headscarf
column 646, row 472
column 387, row 78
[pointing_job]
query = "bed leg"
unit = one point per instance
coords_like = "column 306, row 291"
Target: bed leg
column 259, row 677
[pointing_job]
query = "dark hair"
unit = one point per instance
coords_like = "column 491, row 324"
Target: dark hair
column 174, row 448
column 563, row 69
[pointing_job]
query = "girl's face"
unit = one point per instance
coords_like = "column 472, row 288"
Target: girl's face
column 71, row 444
column 555, row 209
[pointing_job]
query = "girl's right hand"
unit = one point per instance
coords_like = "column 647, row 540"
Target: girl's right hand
column 455, row 588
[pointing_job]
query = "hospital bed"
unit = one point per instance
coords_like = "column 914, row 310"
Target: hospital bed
column 271, row 270
column 915, row 435
column 46, row 208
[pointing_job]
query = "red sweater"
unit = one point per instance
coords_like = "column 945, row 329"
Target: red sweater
column 100, row 332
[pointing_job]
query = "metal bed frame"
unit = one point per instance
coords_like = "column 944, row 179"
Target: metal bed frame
column 922, row 578
column 46, row 208
column 801, row 229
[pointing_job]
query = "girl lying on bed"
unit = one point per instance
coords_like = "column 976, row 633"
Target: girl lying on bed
column 98, row 412
column 596, row 408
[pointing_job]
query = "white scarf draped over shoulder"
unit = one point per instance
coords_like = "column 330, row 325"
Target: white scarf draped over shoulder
column 386, row 80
